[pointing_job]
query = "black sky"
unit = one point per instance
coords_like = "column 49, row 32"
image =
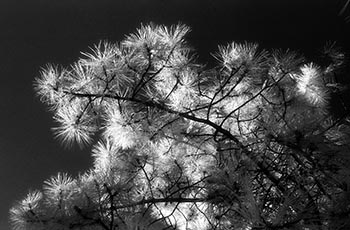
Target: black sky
column 36, row 32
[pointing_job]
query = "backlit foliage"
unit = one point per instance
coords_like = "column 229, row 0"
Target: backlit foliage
column 250, row 144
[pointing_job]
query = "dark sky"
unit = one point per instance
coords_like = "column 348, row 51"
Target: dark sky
column 36, row 32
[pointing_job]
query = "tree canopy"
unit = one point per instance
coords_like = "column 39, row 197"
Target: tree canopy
column 248, row 144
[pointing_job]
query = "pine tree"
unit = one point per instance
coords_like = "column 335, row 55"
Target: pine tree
column 249, row 144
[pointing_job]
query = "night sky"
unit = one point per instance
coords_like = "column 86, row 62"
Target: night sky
column 36, row 32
